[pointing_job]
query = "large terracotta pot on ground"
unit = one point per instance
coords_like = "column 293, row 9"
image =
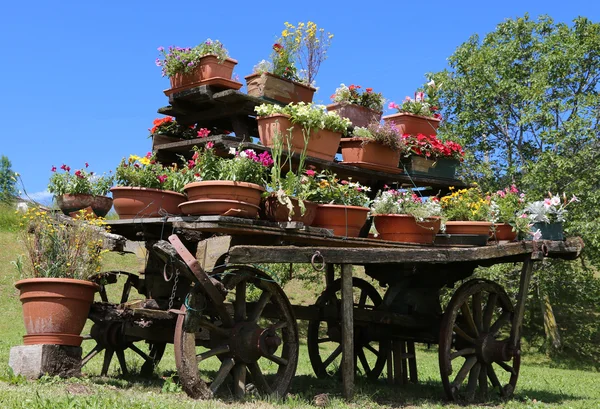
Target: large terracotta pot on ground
column 370, row 155
column 135, row 202
column 224, row 189
column 503, row 231
column 273, row 88
column 273, row 210
column 343, row 220
column 322, row 144
column 100, row 205
column 358, row 115
column 55, row 309
column 413, row 124
column 468, row 227
column 209, row 67
column 406, row 229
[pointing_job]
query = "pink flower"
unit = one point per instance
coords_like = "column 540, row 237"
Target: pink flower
column 149, row 155
column 345, row 182
column 513, row 189
column 191, row 164
column 537, row 234
column 79, row 175
column 419, row 96
column 53, row 168
column 310, row 172
column 203, row 133
column 266, row 159
column 393, row 105
column 210, row 145
column 162, row 178
column 87, row 164
column 501, row 193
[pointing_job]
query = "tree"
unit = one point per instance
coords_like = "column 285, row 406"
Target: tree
column 8, row 181
column 525, row 103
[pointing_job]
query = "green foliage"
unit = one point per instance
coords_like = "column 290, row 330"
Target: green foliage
column 425, row 103
column 183, row 60
column 8, row 181
column 147, row 172
column 311, row 117
column 467, row 204
column 79, row 182
column 386, row 134
column 9, row 218
column 352, row 95
column 326, row 188
column 405, row 202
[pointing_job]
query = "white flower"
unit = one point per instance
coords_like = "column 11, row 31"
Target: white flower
column 555, row 201
column 537, row 234
column 574, row 199
column 232, row 151
column 431, row 83
column 243, row 154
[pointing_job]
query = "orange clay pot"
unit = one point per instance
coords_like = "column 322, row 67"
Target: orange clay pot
column 468, row 227
column 405, row 228
column 358, row 115
column 208, row 67
column 55, row 309
column 413, row 124
column 357, row 152
column 503, row 231
column 135, row 202
column 343, row 220
column 273, row 210
column 226, row 190
column 322, row 144
column 273, row 88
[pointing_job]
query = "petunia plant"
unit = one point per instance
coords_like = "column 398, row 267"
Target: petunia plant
column 353, row 95
column 425, row 102
column 80, row 181
column 176, row 60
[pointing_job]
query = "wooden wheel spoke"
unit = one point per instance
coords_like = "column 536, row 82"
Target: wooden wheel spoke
column 239, row 380
column 277, row 359
column 108, row 354
column 373, row 350
column 461, row 333
column 91, row 354
column 212, row 327
column 494, row 379
column 260, row 306
column 239, row 306
column 466, row 313
column 477, row 312
column 213, row 352
column 506, row 367
column 331, row 357
column 103, row 295
column 462, row 352
column 121, row 356
column 464, row 371
column 323, row 340
column 363, row 361
column 258, row 378
column 279, row 325
column 126, row 290
column 483, row 383
column 473, row 379
column 141, row 353
column 224, row 370
column 362, row 299
column 503, row 319
column 489, row 311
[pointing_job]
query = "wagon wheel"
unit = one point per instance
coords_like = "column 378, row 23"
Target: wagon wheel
column 109, row 336
column 328, row 333
column 256, row 332
column 474, row 341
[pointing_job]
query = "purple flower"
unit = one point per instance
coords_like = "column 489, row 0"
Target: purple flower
column 208, row 42
column 190, row 64
column 161, row 48
column 158, row 63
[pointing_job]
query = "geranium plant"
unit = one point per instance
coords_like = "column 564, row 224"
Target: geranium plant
column 308, row 116
column 298, row 54
column 81, row 181
column 137, row 171
column 407, row 202
column 386, row 134
column 429, row 146
column 467, row 205
column 176, row 60
column 425, row 102
column 326, row 188
column 170, row 127
column 353, row 95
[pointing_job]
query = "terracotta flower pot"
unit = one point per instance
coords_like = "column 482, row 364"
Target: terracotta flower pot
column 369, row 155
column 358, row 115
column 343, row 220
column 503, row 231
column 322, row 144
column 273, row 210
column 69, row 204
column 413, row 124
column 135, row 202
column 273, row 88
column 405, row 228
column 219, row 207
column 468, row 227
column 55, row 309
column 209, row 67
column 224, row 189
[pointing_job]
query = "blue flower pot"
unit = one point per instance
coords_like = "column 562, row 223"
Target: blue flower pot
column 550, row 231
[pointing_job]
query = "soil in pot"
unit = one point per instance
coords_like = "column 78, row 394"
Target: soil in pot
column 273, row 210
column 345, row 221
column 406, row 229
column 135, row 202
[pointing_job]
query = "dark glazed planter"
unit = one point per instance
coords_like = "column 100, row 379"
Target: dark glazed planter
column 276, row 89
column 70, row 204
column 343, row 220
column 55, row 309
column 273, row 210
column 413, row 124
column 135, row 202
column 358, row 115
column 550, row 231
column 441, row 168
column 406, row 229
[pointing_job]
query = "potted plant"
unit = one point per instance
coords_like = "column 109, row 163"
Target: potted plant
column 167, row 130
column 296, row 58
column 311, row 128
column 361, row 108
column 468, row 211
column 205, row 64
column 55, row 289
column 374, row 147
column 427, row 155
column 418, row 115
column 217, row 185
column 145, row 188
column 343, row 205
column 548, row 216
column 507, row 206
column 402, row 215
column 81, row 189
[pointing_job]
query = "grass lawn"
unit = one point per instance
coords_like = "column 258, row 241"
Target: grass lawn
column 541, row 384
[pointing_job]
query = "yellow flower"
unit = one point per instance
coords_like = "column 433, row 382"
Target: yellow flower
column 285, row 33
column 145, row 161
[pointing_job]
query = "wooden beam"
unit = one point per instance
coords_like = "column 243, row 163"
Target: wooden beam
column 347, row 333
column 515, row 332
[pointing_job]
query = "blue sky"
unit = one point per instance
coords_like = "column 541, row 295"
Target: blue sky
column 79, row 84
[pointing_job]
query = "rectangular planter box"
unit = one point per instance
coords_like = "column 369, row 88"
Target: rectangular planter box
column 413, row 124
column 441, row 168
column 369, row 155
column 276, row 89
column 358, row 115
column 550, row 231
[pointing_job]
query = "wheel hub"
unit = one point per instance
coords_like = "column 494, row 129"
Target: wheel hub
column 249, row 342
column 491, row 350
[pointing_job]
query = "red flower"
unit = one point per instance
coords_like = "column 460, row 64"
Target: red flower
column 310, row 172
column 210, row 145
column 162, row 178
column 87, row 164
column 344, row 182
column 278, row 48
column 191, row 164
column 196, row 155
column 369, row 90
column 149, row 155
column 79, row 175
column 53, row 168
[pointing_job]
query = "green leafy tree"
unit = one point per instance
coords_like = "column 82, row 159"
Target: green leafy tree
column 524, row 101
column 8, row 181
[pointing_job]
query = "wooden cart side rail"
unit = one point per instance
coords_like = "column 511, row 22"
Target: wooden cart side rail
column 502, row 253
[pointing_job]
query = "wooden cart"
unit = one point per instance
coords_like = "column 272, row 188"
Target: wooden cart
column 234, row 328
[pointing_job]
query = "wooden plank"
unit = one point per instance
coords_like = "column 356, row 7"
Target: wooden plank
column 515, row 332
column 497, row 253
column 347, row 333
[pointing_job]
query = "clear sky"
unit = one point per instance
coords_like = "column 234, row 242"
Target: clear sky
column 79, row 83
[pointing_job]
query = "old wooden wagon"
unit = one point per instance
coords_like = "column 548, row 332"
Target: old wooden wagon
column 205, row 289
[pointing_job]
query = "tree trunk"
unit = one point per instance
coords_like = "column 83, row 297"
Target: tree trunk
column 553, row 341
